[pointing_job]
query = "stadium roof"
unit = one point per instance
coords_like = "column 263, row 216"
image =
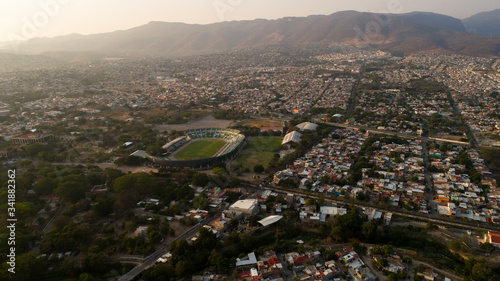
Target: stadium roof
column 307, row 126
column 167, row 145
column 139, row 153
column 292, row 136
column 270, row 220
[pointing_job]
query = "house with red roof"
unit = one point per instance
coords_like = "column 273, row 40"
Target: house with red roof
column 493, row 238
column 300, row 260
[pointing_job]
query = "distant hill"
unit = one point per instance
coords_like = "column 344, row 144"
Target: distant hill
column 409, row 33
column 485, row 23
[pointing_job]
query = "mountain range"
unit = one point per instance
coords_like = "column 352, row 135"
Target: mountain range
column 485, row 23
column 410, row 33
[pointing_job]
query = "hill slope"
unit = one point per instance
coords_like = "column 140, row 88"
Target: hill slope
column 486, row 23
column 409, row 33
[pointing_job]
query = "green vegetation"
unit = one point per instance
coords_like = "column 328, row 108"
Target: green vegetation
column 258, row 151
column 200, row 149
column 492, row 158
column 229, row 115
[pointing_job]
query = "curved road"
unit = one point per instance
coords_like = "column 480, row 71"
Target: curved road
column 151, row 259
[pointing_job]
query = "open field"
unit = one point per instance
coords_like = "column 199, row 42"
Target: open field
column 200, row 149
column 259, row 150
column 263, row 123
column 449, row 137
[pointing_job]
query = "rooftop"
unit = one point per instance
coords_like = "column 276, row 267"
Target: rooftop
column 270, row 220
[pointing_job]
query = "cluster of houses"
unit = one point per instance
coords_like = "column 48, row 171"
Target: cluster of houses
column 337, row 95
column 332, row 158
column 398, row 172
column 355, row 265
column 402, row 112
column 456, row 194
column 398, row 175
column 481, row 113
column 306, row 266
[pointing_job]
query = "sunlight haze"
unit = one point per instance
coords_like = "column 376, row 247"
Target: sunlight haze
column 49, row 18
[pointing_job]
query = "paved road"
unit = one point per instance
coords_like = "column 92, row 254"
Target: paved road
column 413, row 215
column 151, row 259
column 36, row 247
column 402, row 135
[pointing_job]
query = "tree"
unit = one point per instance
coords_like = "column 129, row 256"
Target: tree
column 455, row 245
column 71, row 191
column 160, row 272
column 201, row 202
column 138, row 181
column 337, row 233
column 368, row 229
column 180, row 269
column 96, row 263
column 155, row 237
column 310, row 202
column 218, row 170
column 104, row 207
column 200, row 179
column 28, row 267
column 482, row 272
column 382, row 263
column 258, row 169
column 487, row 246
column 360, row 196
column 45, row 186
column 300, row 248
column 392, row 277
column 376, row 250
column 87, row 277
column 252, row 221
column 35, row 149
column 386, row 250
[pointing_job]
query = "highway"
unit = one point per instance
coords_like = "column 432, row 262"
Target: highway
column 151, row 259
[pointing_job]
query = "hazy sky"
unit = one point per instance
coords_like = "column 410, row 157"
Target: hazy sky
column 22, row 19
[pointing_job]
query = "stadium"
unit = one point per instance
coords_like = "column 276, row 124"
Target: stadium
column 200, row 148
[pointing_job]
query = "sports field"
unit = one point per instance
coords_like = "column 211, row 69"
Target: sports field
column 200, row 149
column 259, row 150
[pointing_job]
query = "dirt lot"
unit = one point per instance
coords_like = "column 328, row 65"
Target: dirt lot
column 263, row 123
column 207, row 121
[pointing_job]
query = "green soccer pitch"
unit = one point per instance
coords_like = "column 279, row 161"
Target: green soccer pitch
column 200, row 149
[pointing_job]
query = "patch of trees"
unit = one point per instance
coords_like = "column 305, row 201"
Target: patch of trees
column 131, row 188
column 424, row 85
column 137, row 246
column 229, row 114
column 347, row 226
column 67, row 237
column 328, row 111
column 188, row 259
column 130, row 160
column 232, row 196
column 492, row 158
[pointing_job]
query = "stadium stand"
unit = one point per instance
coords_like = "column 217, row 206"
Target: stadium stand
column 178, row 142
